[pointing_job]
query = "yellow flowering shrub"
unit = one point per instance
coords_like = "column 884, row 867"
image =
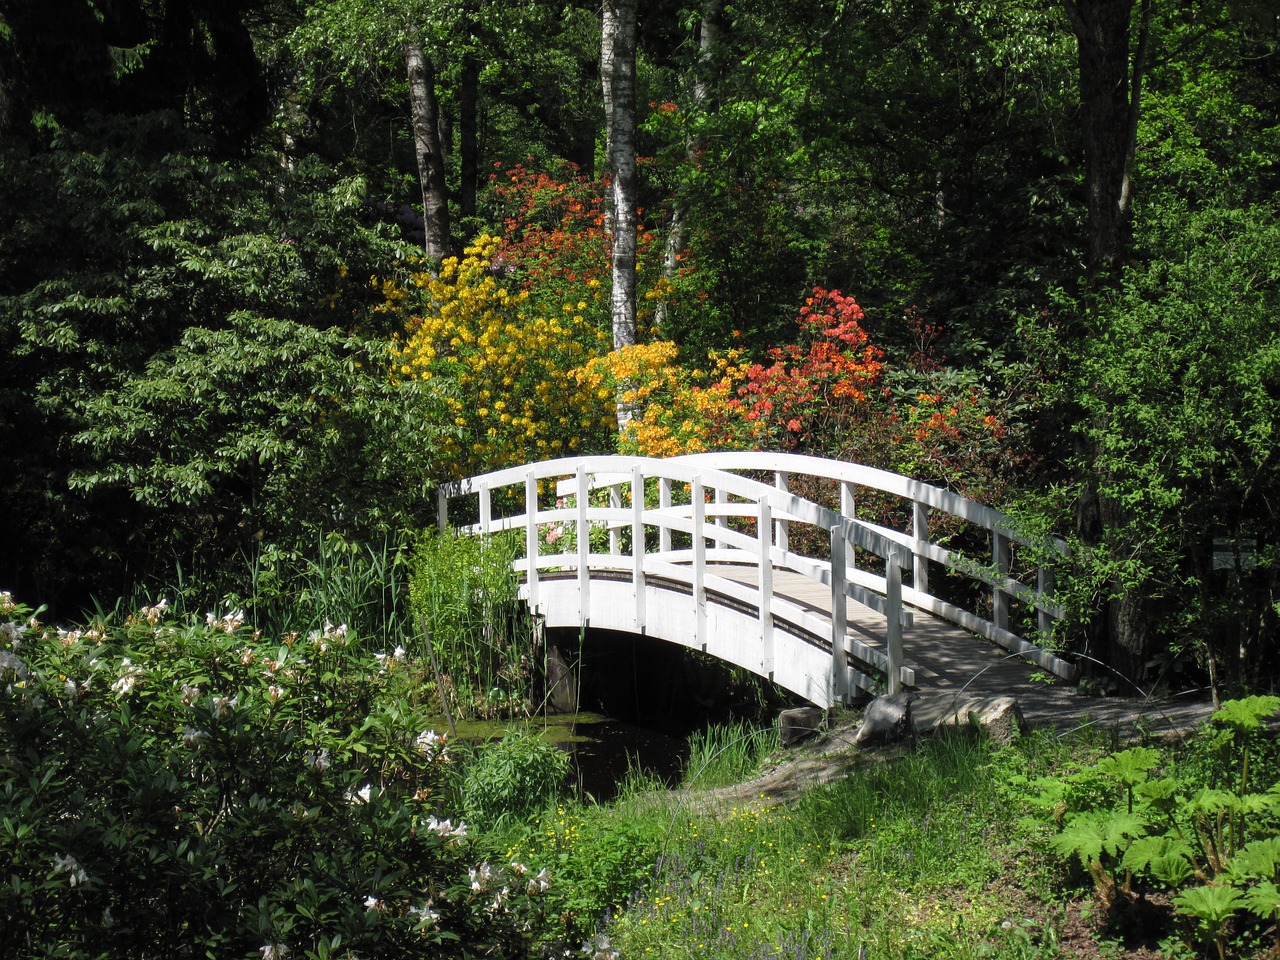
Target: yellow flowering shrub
column 675, row 410
column 514, row 399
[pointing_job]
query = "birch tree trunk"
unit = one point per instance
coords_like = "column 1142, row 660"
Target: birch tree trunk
column 429, row 151
column 618, row 81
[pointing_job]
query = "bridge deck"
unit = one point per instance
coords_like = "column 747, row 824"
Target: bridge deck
column 950, row 660
column 946, row 658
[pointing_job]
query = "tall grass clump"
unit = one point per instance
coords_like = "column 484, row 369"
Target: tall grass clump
column 723, row 754
column 464, row 590
column 335, row 581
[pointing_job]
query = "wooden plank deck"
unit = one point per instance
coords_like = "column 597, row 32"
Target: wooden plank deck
column 949, row 660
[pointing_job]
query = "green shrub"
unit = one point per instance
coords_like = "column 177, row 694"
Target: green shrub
column 181, row 790
column 513, row 778
column 1208, row 830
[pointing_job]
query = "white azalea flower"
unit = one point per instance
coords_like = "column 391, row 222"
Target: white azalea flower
column 68, row 865
column 426, row 916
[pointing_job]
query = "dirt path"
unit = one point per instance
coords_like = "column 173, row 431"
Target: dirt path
column 833, row 753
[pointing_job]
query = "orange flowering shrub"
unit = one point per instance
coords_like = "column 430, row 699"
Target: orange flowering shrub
column 817, row 387
column 555, row 245
column 957, row 434
column 675, row 410
column 514, row 398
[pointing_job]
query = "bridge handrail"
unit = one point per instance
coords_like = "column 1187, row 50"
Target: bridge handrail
column 768, row 500
column 617, row 470
column 717, row 493
column 925, row 497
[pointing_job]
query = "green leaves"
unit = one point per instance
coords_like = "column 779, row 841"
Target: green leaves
column 1246, row 715
column 228, row 796
column 1204, row 837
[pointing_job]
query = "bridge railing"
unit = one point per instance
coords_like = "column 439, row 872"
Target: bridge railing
column 925, row 503
column 690, row 525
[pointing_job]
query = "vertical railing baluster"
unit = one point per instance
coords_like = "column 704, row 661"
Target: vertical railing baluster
column 840, row 691
column 699, row 504
column 893, row 619
column 782, row 535
column 920, row 530
column 442, row 510
column 637, row 544
column 848, row 509
column 1001, row 557
column 664, row 502
column 722, row 520
column 531, row 538
column 486, row 507
column 615, row 533
column 584, row 547
column 764, row 531
column 1044, row 586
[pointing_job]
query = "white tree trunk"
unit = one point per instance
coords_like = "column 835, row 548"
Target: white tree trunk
column 618, row 72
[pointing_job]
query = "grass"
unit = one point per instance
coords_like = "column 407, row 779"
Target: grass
column 724, row 754
column 920, row 857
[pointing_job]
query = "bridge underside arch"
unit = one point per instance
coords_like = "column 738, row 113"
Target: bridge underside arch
column 796, row 660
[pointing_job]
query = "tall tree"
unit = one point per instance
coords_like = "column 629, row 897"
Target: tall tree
column 396, row 37
column 428, row 150
column 1111, row 68
column 711, row 26
column 618, row 80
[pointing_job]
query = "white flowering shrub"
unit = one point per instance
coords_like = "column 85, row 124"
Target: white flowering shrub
column 198, row 790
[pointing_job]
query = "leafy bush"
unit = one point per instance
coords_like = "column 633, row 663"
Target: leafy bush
column 502, row 364
column 1135, row 821
column 182, row 790
column 513, row 778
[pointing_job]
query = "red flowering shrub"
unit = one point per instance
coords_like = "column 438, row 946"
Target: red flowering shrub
column 817, row 388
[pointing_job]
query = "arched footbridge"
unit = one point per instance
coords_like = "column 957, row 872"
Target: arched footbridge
column 717, row 553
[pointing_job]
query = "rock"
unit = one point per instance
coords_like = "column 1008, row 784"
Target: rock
column 799, row 724
column 1000, row 718
column 887, row 720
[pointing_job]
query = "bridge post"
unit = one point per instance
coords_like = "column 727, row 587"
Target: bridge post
column 1044, row 586
column 637, row 544
column 442, row 509
column 699, row 503
column 664, row 503
column 615, row 535
column 848, row 508
column 531, row 537
column 782, row 536
column 1000, row 556
column 893, row 621
column 920, row 530
column 583, row 530
column 840, row 690
column 764, row 529
column 486, row 510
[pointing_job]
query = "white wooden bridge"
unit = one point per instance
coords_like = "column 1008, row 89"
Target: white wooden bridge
column 714, row 552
